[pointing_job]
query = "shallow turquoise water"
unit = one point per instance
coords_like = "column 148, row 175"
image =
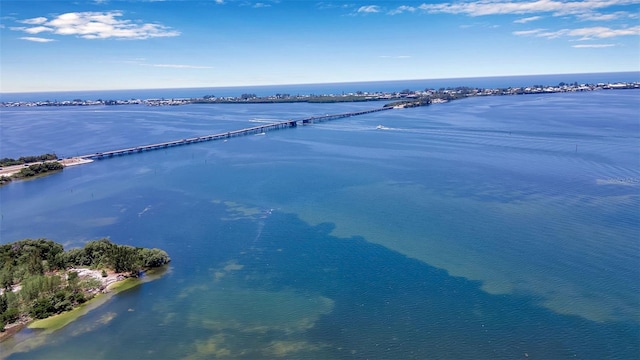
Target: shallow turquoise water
column 497, row 227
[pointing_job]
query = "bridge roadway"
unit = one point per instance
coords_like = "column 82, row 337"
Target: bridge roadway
column 226, row 135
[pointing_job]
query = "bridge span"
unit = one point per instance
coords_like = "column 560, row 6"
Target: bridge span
column 226, row 135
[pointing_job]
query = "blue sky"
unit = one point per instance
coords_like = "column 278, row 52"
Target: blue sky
column 108, row 44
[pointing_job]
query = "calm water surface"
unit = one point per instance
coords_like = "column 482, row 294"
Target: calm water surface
column 500, row 227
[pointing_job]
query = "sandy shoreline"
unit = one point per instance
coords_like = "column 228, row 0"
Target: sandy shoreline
column 74, row 161
column 106, row 281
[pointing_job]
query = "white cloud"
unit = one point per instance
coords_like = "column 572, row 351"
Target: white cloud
column 178, row 66
column 402, row 9
column 34, row 21
column 37, row 39
column 527, row 19
column 330, row 5
column 137, row 61
column 597, row 46
column 37, row 29
column 528, row 32
column 587, row 33
column 143, row 62
column 592, row 16
column 261, row 5
column 601, row 32
column 483, row 25
column 498, row 7
column 97, row 25
column 369, row 9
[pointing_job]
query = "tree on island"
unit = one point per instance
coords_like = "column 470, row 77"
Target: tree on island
column 48, row 287
column 27, row 159
column 248, row 96
column 37, row 169
column 38, row 165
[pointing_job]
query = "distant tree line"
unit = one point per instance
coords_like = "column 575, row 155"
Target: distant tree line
column 40, row 266
column 27, row 159
column 422, row 101
column 282, row 98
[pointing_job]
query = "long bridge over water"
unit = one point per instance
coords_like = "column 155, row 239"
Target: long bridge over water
column 226, row 135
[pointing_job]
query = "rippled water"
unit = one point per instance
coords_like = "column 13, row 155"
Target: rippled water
column 498, row 227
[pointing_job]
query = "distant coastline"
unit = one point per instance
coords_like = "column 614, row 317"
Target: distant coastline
column 402, row 97
column 323, row 88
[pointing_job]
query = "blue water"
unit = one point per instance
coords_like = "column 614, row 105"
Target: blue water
column 331, row 88
column 497, row 227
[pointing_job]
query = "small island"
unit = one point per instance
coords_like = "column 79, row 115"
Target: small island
column 38, row 279
column 27, row 167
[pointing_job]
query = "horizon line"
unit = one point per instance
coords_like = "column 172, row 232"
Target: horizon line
column 318, row 83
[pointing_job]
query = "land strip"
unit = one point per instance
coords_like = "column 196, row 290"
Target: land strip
column 442, row 94
column 14, row 169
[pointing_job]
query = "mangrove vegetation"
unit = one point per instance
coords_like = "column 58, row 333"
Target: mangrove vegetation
column 38, row 278
column 33, row 170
